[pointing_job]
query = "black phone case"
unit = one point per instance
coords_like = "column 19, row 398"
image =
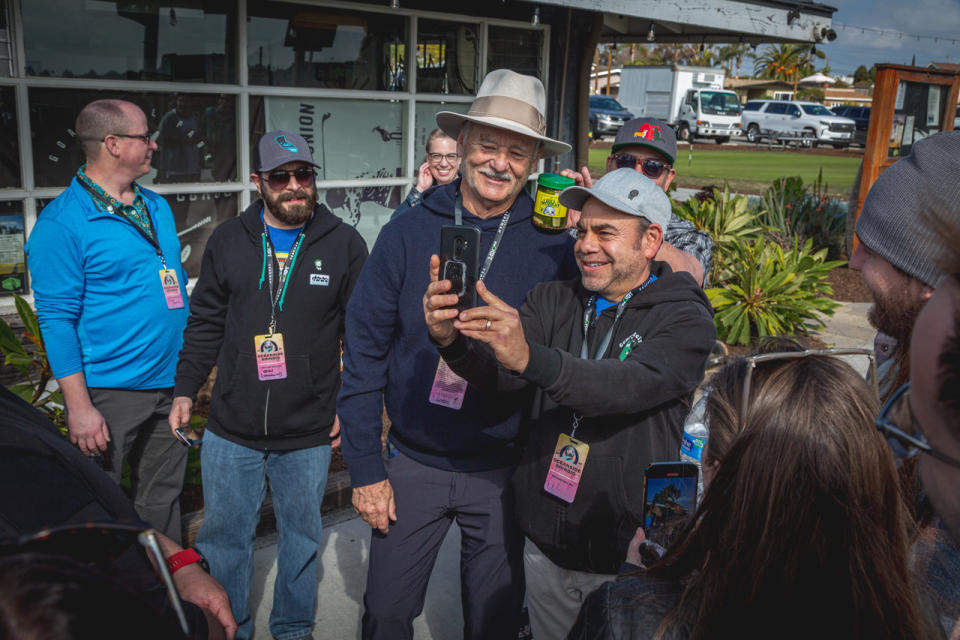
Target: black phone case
column 659, row 470
column 460, row 256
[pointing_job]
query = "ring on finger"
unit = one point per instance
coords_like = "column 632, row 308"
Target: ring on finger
column 486, row 327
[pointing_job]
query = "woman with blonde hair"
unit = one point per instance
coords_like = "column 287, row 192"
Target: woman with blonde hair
column 802, row 532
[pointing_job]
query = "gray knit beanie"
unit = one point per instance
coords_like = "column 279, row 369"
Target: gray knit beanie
column 890, row 222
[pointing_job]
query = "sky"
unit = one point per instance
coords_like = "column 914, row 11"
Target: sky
column 927, row 18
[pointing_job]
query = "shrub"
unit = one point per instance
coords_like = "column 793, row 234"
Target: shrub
column 729, row 221
column 32, row 365
column 771, row 291
column 793, row 211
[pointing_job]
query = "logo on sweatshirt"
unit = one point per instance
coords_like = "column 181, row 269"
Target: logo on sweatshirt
column 319, row 280
column 318, row 264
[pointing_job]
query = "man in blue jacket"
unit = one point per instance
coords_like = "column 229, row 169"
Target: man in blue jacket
column 110, row 293
column 451, row 449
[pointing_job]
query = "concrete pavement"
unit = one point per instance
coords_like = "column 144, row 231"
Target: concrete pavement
column 343, row 568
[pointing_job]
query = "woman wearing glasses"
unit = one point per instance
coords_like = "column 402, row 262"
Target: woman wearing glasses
column 441, row 166
column 802, row 532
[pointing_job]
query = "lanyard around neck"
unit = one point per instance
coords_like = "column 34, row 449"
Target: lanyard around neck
column 111, row 208
column 588, row 316
column 458, row 220
column 276, row 299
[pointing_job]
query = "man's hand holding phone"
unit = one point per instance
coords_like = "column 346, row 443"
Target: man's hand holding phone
column 439, row 306
column 179, row 421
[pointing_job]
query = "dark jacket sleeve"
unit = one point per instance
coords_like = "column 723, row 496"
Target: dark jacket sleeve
column 205, row 327
column 592, row 622
column 371, row 320
column 666, row 365
column 357, row 255
column 475, row 362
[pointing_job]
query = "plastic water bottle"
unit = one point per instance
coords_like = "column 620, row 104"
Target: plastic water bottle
column 695, row 434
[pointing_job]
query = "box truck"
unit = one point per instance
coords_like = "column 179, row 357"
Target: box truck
column 691, row 99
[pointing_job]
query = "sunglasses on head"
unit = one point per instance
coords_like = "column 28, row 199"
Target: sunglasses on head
column 650, row 167
column 278, row 178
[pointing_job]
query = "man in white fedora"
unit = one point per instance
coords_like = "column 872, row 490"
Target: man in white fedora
column 451, row 450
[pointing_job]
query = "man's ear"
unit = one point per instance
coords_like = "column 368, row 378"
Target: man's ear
column 255, row 179
column 652, row 239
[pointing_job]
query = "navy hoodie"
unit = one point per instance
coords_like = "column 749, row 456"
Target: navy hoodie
column 389, row 357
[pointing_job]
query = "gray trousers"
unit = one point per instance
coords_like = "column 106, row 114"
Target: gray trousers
column 428, row 500
column 137, row 421
column 555, row 594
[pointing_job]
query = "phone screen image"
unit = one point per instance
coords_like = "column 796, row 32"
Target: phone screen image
column 668, row 504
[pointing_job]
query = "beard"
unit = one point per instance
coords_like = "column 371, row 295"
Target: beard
column 895, row 317
column 295, row 215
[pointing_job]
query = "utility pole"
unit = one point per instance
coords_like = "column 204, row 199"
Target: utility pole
column 609, row 65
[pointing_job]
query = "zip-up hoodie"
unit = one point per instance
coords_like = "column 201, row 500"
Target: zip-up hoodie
column 231, row 304
column 633, row 409
column 389, row 356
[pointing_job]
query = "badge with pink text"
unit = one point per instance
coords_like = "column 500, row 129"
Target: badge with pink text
column 448, row 388
column 563, row 476
column 271, row 363
column 171, row 289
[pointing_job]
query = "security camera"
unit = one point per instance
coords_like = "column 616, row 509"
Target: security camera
column 822, row 32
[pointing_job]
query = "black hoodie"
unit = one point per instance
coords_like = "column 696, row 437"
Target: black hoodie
column 633, row 409
column 231, row 304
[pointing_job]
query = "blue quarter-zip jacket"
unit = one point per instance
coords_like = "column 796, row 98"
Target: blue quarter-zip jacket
column 388, row 355
column 97, row 290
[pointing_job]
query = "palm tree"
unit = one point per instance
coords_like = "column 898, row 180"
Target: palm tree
column 727, row 54
column 787, row 62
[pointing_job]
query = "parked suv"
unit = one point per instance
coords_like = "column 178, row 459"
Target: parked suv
column 860, row 115
column 606, row 116
column 764, row 118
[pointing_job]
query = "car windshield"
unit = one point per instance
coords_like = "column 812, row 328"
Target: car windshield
column 604, row 102
column 817, row 110
column 719, row 102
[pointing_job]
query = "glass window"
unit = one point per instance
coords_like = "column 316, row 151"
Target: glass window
column 303, row 46
column 6, row 43
column 776, row 108
column 196, row 216
column 425, row 119
column 793, row 110
column 519, row 50
column 348, row 138
column 9, row 148
column 143, row 40
column 196, row 134
column 918, row 112
column 13, row 268
column 366, row 208
column 447, row 58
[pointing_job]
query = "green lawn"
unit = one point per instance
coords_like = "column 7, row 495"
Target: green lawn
column 752, row 171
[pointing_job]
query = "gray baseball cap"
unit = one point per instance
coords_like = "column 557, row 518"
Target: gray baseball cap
column 280, row 147
column 627, row 191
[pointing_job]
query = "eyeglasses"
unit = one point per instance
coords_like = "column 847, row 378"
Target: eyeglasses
column 753, row 361
column 95, row 544
column 898, row 425
column 650, row 167
column 435, row 158
column 146, row 138
column 279, row 179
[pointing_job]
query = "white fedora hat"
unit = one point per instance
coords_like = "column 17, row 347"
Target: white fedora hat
column 511, row 101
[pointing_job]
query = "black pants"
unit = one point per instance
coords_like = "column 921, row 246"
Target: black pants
column 428, row 500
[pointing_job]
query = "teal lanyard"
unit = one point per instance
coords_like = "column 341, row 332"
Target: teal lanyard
column 276, row 300
column 588, row 316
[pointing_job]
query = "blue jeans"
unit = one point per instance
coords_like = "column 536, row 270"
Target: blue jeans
column 234, row 485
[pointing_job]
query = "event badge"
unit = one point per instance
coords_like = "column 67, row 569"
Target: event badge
column 271, row 364
column 171, row 289
column 563, row 476
column 448, row 388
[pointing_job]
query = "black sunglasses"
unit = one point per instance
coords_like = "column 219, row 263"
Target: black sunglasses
column 145, row 137
column 650, row 167
column 905, row 439
column 279, row 179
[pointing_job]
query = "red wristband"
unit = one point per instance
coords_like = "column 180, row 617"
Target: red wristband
column 186, row 557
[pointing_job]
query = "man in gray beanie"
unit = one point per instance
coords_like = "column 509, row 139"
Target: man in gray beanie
column 895, row 255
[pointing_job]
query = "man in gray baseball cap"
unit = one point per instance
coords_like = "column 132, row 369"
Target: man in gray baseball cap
column 614, row 356
column 268, row 310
